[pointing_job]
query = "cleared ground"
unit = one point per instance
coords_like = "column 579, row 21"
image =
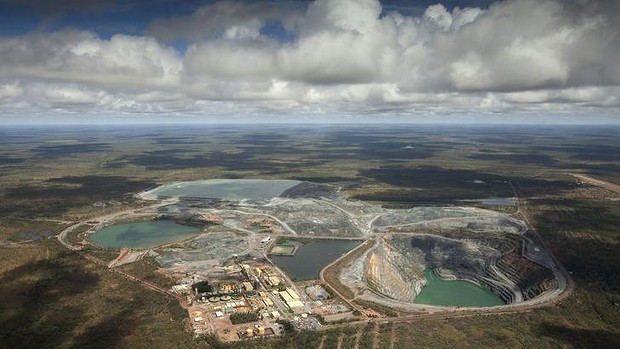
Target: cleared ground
column 74, row 174
column 463, row 242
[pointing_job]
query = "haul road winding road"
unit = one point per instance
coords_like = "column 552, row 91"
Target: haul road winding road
column 564, row 289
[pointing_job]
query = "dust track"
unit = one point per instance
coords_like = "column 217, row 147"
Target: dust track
column 597, row 182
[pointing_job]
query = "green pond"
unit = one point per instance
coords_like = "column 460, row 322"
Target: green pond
column 460, row 293
column 144, row 234
column 227, row 189
column 313, row 256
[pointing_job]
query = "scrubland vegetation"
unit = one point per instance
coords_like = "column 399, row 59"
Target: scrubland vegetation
column 50, row 297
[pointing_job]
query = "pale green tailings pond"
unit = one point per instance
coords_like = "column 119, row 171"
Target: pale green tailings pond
column 143, row 234
column 227, row 189
column 460, row 293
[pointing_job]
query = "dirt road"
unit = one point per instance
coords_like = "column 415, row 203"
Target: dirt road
column 597, row 182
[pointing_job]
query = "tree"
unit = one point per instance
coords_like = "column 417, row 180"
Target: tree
column 241, row 318
column 202, row 286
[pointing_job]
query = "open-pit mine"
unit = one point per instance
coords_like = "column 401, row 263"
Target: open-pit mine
column 255, row 239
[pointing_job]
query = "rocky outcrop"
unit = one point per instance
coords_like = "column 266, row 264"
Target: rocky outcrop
column 392, row 273
column 530, row 277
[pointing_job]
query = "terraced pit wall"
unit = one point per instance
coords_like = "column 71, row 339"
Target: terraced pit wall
column 394, row 268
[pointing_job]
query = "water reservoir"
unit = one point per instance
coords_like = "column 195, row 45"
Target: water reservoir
column 313, row 256
column 143, row 234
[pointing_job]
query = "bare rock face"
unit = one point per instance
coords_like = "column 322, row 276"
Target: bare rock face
column 466, row 258
column 395, row 267
column 392, row 273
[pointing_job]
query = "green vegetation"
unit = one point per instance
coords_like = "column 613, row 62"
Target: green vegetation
column 50, row 297
column 75, row 235
column 16, row 230
column 202, row 286
column 384, row 337
column 243, row 317
column 105, row 254
column 148, row 269
column 366, row 337
column 62, row 300
column 286, row 325
column 348, row 339
column 584, row 236
column 292, row 240
column 382, row 309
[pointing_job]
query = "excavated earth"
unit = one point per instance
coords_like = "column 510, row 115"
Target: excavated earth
column 485, row 247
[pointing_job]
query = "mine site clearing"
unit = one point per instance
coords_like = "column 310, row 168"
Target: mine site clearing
column 238, row 275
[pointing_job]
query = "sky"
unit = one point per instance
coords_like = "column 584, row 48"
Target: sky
column 324, row 61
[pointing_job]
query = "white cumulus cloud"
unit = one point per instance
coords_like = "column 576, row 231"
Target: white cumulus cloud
column 349, row 56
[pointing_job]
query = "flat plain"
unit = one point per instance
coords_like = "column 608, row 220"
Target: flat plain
column 53, row 176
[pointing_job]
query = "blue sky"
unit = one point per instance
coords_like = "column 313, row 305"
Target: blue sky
column 107, row 18
column 160, row 61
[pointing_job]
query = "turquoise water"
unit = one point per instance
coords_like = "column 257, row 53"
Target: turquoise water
column 455, row 293
column 227, row 189
column 312, row 257
column 144, row 234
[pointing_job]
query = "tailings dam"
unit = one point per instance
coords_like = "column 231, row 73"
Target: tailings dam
column 142, row 234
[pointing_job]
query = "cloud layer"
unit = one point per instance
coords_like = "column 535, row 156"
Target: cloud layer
column 335, row 56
